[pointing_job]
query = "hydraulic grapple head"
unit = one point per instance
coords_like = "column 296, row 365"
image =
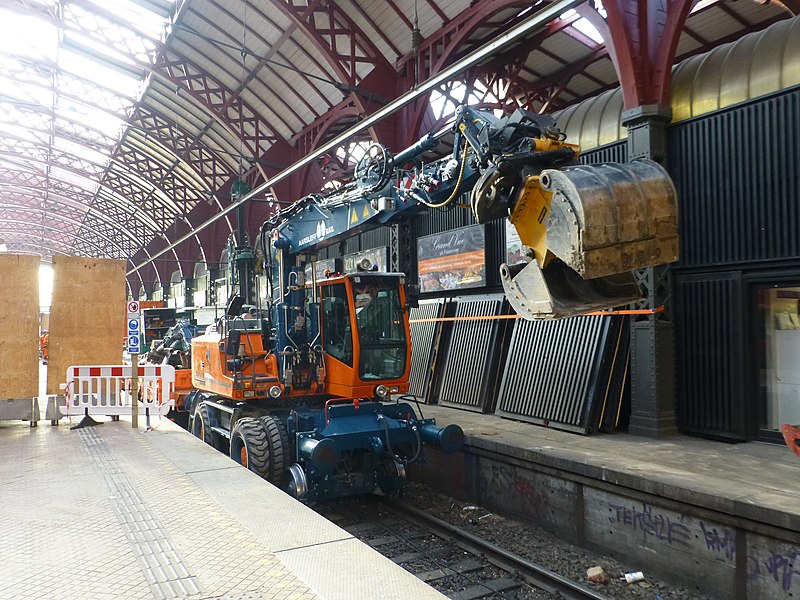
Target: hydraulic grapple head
column 589, row 228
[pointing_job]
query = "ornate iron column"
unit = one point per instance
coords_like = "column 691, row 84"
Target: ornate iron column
column 652, row 337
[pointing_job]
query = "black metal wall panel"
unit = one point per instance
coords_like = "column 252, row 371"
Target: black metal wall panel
column 710, row 358
column 616, row 152
column 375, row 238
column 425, row 339
column 440, row 220
column 468, row 375
column 736, row 172
column 551, row 372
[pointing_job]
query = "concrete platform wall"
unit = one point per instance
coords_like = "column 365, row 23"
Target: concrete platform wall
column 719, row 553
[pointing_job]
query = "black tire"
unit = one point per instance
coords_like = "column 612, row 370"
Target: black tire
column 249, row 446
column 201, row 424
column 279, row 452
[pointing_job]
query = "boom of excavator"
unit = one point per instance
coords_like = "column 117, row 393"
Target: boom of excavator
column 309, row 373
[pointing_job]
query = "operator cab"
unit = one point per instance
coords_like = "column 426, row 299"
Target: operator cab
column 365, row 332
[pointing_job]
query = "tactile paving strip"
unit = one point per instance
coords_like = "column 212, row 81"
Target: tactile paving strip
column 226, row 558
column 60, row 537
column 101, row 515
column 162, row 565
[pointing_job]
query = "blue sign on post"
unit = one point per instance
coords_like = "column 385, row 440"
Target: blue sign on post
column 134, row 344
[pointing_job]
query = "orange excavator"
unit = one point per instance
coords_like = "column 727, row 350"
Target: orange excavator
column 304, row 382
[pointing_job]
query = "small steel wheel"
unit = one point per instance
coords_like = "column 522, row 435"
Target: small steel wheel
column 249, row 446
column 296, row 484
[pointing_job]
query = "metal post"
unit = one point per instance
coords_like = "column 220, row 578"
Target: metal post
column 653, row 402
column 135, row 391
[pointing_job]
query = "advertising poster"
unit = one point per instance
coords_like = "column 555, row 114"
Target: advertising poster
column 452, row 260
column 514, row 255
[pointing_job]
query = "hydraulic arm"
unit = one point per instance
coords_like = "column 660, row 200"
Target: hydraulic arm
column 586, row 228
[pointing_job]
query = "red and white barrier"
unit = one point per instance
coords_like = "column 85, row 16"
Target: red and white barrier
column 105, row 390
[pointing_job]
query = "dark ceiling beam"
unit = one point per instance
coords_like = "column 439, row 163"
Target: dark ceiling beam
column 454, row 39
column 20, row 225
column 533, row 23
column 130, row 208
column 378, row 29
column 689, row 31
column 434, row 4
column 58, row 203
column 23, row 210
column 733, row 37
column 556, row 83
column 327, row 24
column 180, row 72
column 743, row 23
column 643, row 41
column 259, row 64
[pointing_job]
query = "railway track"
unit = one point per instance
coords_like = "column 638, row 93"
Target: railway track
column 455, row 561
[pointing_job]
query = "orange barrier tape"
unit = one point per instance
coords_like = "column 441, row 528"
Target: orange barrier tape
column 602, row 313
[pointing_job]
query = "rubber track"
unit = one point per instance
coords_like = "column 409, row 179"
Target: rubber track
column 278, row 441
column 256, row 442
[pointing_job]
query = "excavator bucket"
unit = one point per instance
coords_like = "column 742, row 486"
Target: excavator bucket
column 589, row 228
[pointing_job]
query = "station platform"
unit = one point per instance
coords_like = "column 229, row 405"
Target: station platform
column 725, row 517
column 116, row 512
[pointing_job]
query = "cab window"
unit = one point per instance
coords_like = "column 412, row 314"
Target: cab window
column 337, row 335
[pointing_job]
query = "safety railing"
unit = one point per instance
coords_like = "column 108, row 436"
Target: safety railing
column 105, row 390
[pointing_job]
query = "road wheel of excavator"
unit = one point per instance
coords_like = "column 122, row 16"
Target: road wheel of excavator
column 279, row 450
column 201, row 424
column 249, row 446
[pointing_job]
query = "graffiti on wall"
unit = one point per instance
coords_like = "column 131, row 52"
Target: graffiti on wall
column 504, row 479
column 771, row 565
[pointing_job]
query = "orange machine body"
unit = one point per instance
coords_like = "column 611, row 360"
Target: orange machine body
column 339, row 360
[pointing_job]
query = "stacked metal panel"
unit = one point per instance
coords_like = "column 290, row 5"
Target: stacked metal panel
column 567, row 374
column 472, row 356
column 425, row 337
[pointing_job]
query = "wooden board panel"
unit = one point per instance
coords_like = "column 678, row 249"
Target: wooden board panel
column 87, row 315
column 19, row 326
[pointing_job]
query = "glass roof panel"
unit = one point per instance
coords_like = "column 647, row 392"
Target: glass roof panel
column 91, row 68
column 77, row 180
column 27, row 35
column 91, row 117
column 584, row 26
column 81, row 151
column 138, row 16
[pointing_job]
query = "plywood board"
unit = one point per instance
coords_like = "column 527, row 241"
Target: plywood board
column 19, row 326
column 87, row 315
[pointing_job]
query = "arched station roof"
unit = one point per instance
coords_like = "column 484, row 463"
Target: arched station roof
column 125, row 124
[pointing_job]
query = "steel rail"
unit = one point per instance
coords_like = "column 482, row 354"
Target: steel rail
column 536, row 575
column 527, row 26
